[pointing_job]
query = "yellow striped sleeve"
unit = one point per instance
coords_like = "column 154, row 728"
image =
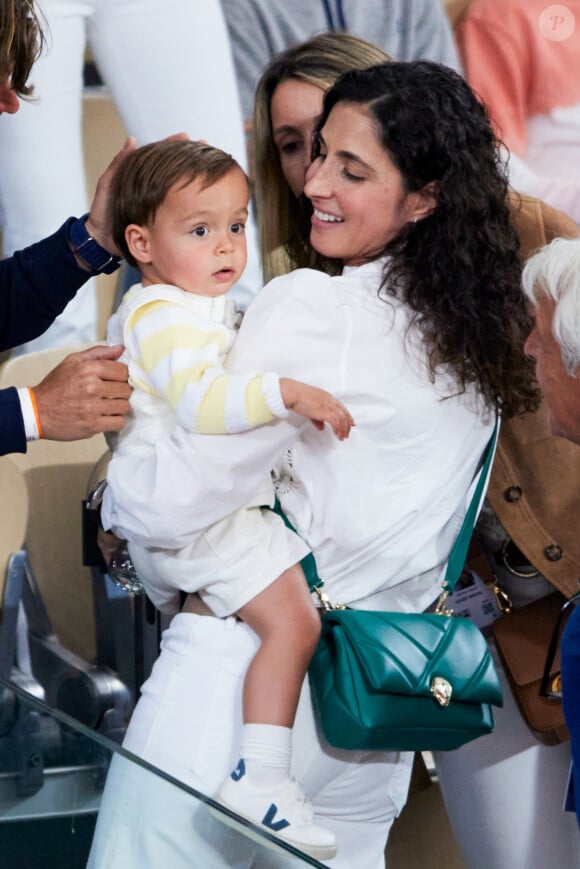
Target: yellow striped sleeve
column 257, row 408
column 211, row 415
column 181, row 360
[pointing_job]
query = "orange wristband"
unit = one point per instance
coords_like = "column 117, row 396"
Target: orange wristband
column 35, row 409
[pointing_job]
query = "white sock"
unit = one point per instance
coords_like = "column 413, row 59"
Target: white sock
column 266, row 750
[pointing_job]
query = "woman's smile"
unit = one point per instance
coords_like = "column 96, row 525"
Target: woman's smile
column 325, row 217
column 358, row 196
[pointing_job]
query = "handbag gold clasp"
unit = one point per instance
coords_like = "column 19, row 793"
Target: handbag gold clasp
column 441, row 690
column 325, row 602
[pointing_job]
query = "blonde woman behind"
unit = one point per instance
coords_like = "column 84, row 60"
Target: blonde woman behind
column 291, row 89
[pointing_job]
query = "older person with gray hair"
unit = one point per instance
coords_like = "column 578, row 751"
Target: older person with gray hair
column 551, row 281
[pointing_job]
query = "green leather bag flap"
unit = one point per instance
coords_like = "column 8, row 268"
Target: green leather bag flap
column 401, row 653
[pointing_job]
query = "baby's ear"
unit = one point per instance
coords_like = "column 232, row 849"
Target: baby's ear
column 137, row 238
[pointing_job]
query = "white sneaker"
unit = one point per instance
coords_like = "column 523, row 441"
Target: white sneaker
column 283, row 811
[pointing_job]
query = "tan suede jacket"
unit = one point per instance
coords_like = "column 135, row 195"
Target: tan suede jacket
column 535, row 482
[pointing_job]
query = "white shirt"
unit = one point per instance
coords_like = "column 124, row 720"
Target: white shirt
column 379, row 509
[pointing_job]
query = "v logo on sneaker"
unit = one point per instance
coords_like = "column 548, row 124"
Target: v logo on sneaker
column 268, row 820
column 239, row 771
column 288, row 814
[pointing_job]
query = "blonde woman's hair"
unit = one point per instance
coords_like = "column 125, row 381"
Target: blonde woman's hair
column 318, row 62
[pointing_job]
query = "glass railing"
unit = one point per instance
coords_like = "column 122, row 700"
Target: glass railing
column 52, row 773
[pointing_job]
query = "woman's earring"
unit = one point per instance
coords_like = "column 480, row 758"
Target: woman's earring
column 415, row 219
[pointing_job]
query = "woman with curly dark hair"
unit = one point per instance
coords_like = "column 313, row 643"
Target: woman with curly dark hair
column 457, row 268
column 492, row 774
column 421, row 335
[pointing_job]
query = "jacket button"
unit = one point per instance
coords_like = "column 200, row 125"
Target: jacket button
column 513, row 494
column 553, row 552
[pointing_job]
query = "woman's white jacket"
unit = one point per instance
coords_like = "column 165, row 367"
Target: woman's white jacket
column 379, row 510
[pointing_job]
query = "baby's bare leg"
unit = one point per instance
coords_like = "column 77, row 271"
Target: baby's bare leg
column 261, row 787
column 287, row 623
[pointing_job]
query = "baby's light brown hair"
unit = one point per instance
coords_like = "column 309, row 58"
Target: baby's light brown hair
column 147, row 175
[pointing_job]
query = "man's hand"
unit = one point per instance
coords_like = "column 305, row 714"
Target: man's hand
column 99, row 221
column 86, row 394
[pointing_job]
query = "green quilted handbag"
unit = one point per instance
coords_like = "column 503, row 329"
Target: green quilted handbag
column 402, row 681
column 405, row 681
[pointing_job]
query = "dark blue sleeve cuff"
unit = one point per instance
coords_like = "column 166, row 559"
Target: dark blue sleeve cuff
column 12, row 435
column 36, row 284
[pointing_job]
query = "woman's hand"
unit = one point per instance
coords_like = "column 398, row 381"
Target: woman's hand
column 317, row 405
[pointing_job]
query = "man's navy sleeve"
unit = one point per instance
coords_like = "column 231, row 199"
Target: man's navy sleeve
column 12, row 436
column 36, row 284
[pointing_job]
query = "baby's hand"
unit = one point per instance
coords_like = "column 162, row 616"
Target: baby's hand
column 317, row 405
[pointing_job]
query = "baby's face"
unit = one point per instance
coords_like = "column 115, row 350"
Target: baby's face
column 197, row 240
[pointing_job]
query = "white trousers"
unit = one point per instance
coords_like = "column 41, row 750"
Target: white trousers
column 168, row 66
column 188, row 723
column 504, row 795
